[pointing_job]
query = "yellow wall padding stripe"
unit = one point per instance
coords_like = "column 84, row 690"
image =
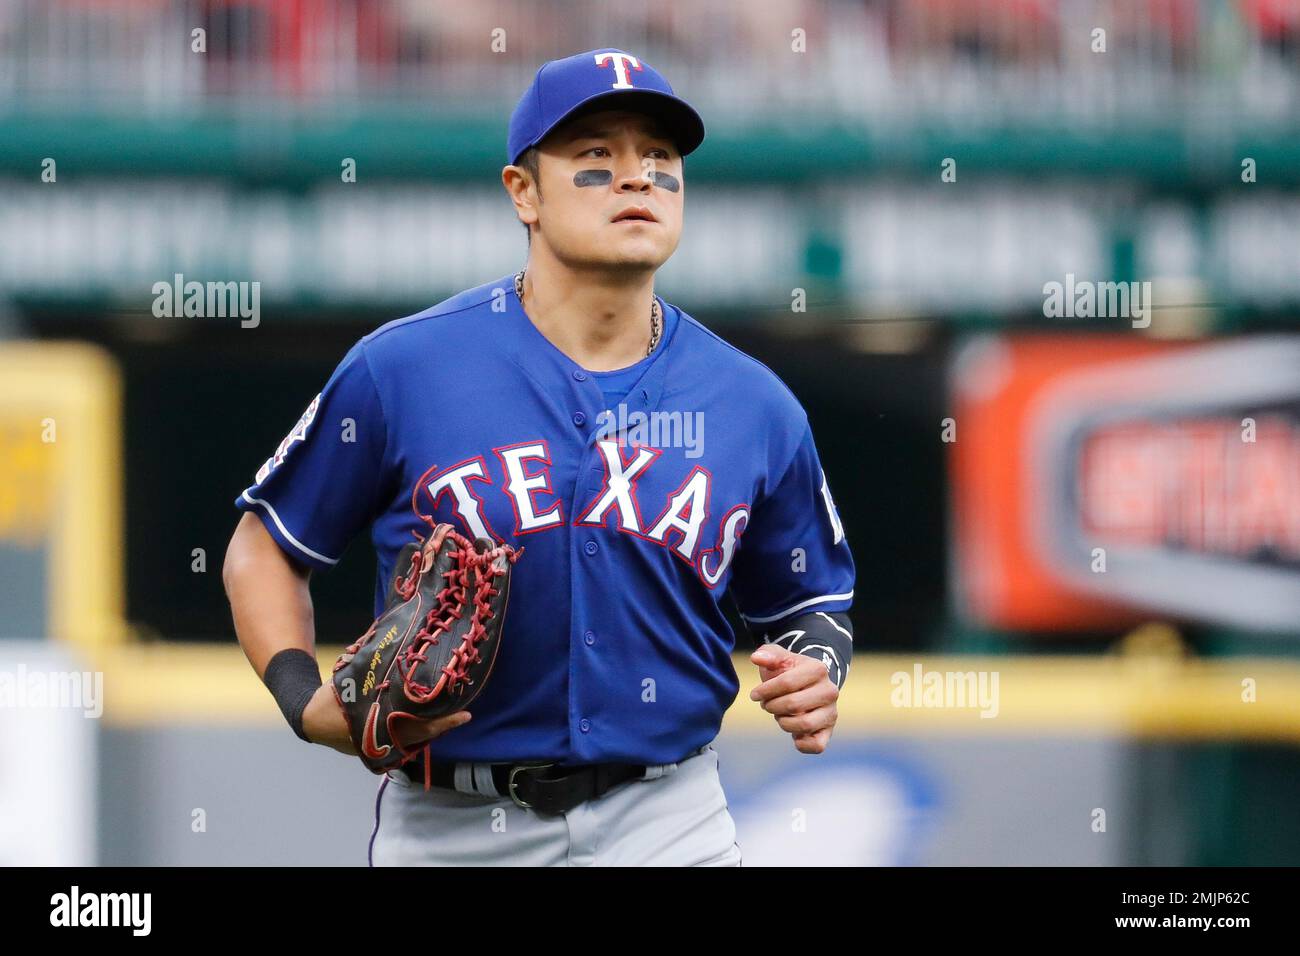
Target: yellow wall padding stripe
column 77, row 387
column 1036, row 696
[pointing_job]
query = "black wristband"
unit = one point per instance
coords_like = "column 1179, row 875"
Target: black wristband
column 293, row 678
column 825, row 637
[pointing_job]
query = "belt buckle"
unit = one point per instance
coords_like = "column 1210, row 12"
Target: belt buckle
column 511, row 785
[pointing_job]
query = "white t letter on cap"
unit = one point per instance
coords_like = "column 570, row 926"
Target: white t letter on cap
column 621, row 60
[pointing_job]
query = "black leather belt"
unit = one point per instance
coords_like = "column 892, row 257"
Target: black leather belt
column 545, row 788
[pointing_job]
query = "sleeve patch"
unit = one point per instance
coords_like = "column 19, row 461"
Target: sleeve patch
column 296, row 434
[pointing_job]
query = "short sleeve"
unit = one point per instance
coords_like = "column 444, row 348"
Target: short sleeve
column 322, row 485
column 793, row 555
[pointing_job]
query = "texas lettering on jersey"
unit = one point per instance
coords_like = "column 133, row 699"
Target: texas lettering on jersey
column 524, row 476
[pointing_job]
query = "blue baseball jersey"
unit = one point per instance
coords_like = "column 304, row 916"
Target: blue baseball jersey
column 636, row 522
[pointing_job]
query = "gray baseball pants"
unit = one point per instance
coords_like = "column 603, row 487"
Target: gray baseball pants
column 675, row 815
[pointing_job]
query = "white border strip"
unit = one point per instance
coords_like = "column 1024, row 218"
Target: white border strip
column 798, row 607
column 285, row 531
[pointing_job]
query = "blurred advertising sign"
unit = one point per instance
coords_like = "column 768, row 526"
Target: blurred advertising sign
column 1097, row 480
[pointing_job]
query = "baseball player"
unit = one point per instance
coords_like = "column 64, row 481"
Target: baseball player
column 649, row 471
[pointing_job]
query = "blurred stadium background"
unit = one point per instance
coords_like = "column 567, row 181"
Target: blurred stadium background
column 1101, row 514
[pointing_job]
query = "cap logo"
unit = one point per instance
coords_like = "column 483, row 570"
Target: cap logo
column 621, row 61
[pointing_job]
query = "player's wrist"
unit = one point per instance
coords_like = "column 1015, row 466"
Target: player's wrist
column 293, row 679
column 324, row 722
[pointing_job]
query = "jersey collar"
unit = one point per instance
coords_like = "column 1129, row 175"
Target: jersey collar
column 543, row 362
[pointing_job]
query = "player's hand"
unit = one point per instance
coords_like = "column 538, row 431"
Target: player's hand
column 323, row 723
column 798, row 691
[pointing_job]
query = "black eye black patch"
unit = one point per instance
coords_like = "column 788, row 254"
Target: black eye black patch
column 603, row 177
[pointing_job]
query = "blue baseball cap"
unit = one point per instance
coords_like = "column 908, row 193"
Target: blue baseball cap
column 599, row 79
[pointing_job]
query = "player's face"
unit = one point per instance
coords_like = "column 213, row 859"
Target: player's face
column 592, row 171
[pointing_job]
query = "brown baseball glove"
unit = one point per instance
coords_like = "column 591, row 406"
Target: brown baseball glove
column 431, row 651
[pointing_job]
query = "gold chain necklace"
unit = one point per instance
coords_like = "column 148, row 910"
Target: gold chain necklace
column 656, row 324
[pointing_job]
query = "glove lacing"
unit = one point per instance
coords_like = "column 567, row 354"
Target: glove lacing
column 450, row 606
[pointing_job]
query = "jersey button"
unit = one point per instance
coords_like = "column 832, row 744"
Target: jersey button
column 590, row 638
column 579, row 419
column 579, row 375
column 584, row 725
column 591, row 547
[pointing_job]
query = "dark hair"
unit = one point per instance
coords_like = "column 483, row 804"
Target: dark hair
column 529, row 161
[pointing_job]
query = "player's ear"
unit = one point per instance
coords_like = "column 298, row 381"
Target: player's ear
column 517, row 182
column 511, row 177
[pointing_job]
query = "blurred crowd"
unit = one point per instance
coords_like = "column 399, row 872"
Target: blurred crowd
column 860, row 53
